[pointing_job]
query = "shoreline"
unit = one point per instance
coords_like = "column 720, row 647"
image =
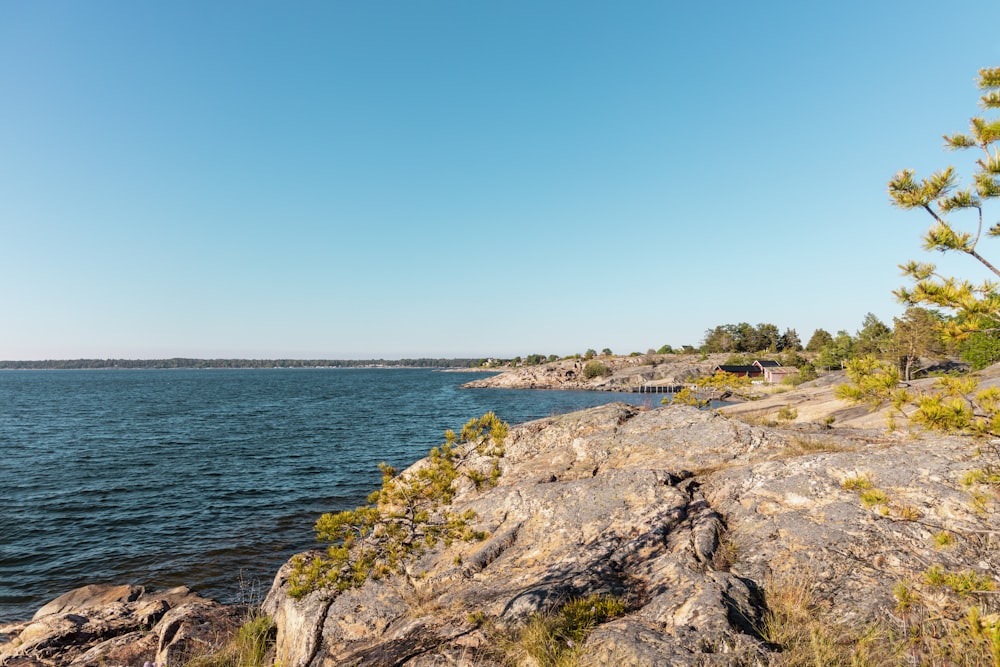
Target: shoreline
column 143, row 446
column 665, row 490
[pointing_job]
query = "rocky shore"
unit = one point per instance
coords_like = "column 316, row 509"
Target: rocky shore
column 690, row 518
column 118, row 625
column 624, row 373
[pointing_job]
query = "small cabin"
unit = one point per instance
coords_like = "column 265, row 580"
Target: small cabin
column 775, row 374
column 755, row 370
column 740, row 371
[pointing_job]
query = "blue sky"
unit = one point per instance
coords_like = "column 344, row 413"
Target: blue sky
column 398, row 179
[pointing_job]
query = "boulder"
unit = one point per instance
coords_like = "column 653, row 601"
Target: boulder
column 118, row 625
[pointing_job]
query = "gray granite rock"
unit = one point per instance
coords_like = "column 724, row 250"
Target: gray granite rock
column 118, row 625
column 685, row 514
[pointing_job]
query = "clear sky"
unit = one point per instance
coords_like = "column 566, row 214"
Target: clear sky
column 452, row 178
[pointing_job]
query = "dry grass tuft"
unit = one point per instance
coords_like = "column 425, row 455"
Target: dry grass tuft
column 555, row 638
column 956, row 623
column 796, row 624
column 249, row 646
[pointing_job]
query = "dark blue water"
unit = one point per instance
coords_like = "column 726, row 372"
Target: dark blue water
column 208, row 478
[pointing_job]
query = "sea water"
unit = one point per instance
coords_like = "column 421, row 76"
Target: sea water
column 209, row 478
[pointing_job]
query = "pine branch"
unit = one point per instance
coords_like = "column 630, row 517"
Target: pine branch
column 987, row 186
column 985, row 132
column 958, row 141
column 985, row 262
column 959, row 200
column 990, row 100
column 991, row 165
column 918, row 270
column 405, row 517
column 989, row 78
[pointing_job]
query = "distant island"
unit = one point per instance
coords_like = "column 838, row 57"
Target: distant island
column 178, row 362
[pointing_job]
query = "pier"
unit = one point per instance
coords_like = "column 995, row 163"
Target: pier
column 656, row 389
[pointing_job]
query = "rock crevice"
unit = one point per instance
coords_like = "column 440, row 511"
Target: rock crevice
column 605, row 502
column 619, row 513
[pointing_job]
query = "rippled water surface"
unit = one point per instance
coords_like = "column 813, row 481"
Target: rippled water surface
column 208, row 478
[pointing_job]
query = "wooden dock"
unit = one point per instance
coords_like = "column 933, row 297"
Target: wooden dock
column 656, row 389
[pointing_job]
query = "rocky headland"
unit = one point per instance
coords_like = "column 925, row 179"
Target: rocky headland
column 694, row 520
column 623, row 373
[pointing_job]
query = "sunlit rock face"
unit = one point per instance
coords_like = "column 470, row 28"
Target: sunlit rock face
column 683, row 514
column 119, row 625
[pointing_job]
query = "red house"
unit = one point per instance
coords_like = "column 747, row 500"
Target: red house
column 754, row 370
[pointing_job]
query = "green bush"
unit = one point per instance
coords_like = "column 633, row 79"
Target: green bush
column 406, row 516
column 980, row 349
column 686, row 396
column 595, row 369
column 787, row 413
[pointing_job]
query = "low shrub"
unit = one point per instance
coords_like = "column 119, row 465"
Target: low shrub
column 942, row 628
column 595, row 369
column 857, row 483
column 787, row 413
column 408, row 515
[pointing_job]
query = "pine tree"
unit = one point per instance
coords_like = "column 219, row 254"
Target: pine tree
column 915, row 336
column 976, row 306
column 820, row 339
column 874, row 337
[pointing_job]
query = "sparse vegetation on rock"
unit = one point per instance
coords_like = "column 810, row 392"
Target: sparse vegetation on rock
column 407, row 515
column 702, row 526
column 594, row 369
column 556, row 638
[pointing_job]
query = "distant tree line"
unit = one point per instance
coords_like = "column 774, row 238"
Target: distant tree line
column 913, row 342
column 70, row 364
column 744, row 337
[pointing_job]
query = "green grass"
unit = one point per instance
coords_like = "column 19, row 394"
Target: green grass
column 556, row 638
column 249, row 646
column 857, row 483
column 873, row 498
column 943, row 539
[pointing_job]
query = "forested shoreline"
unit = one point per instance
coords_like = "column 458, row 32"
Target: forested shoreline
column 178, row 362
